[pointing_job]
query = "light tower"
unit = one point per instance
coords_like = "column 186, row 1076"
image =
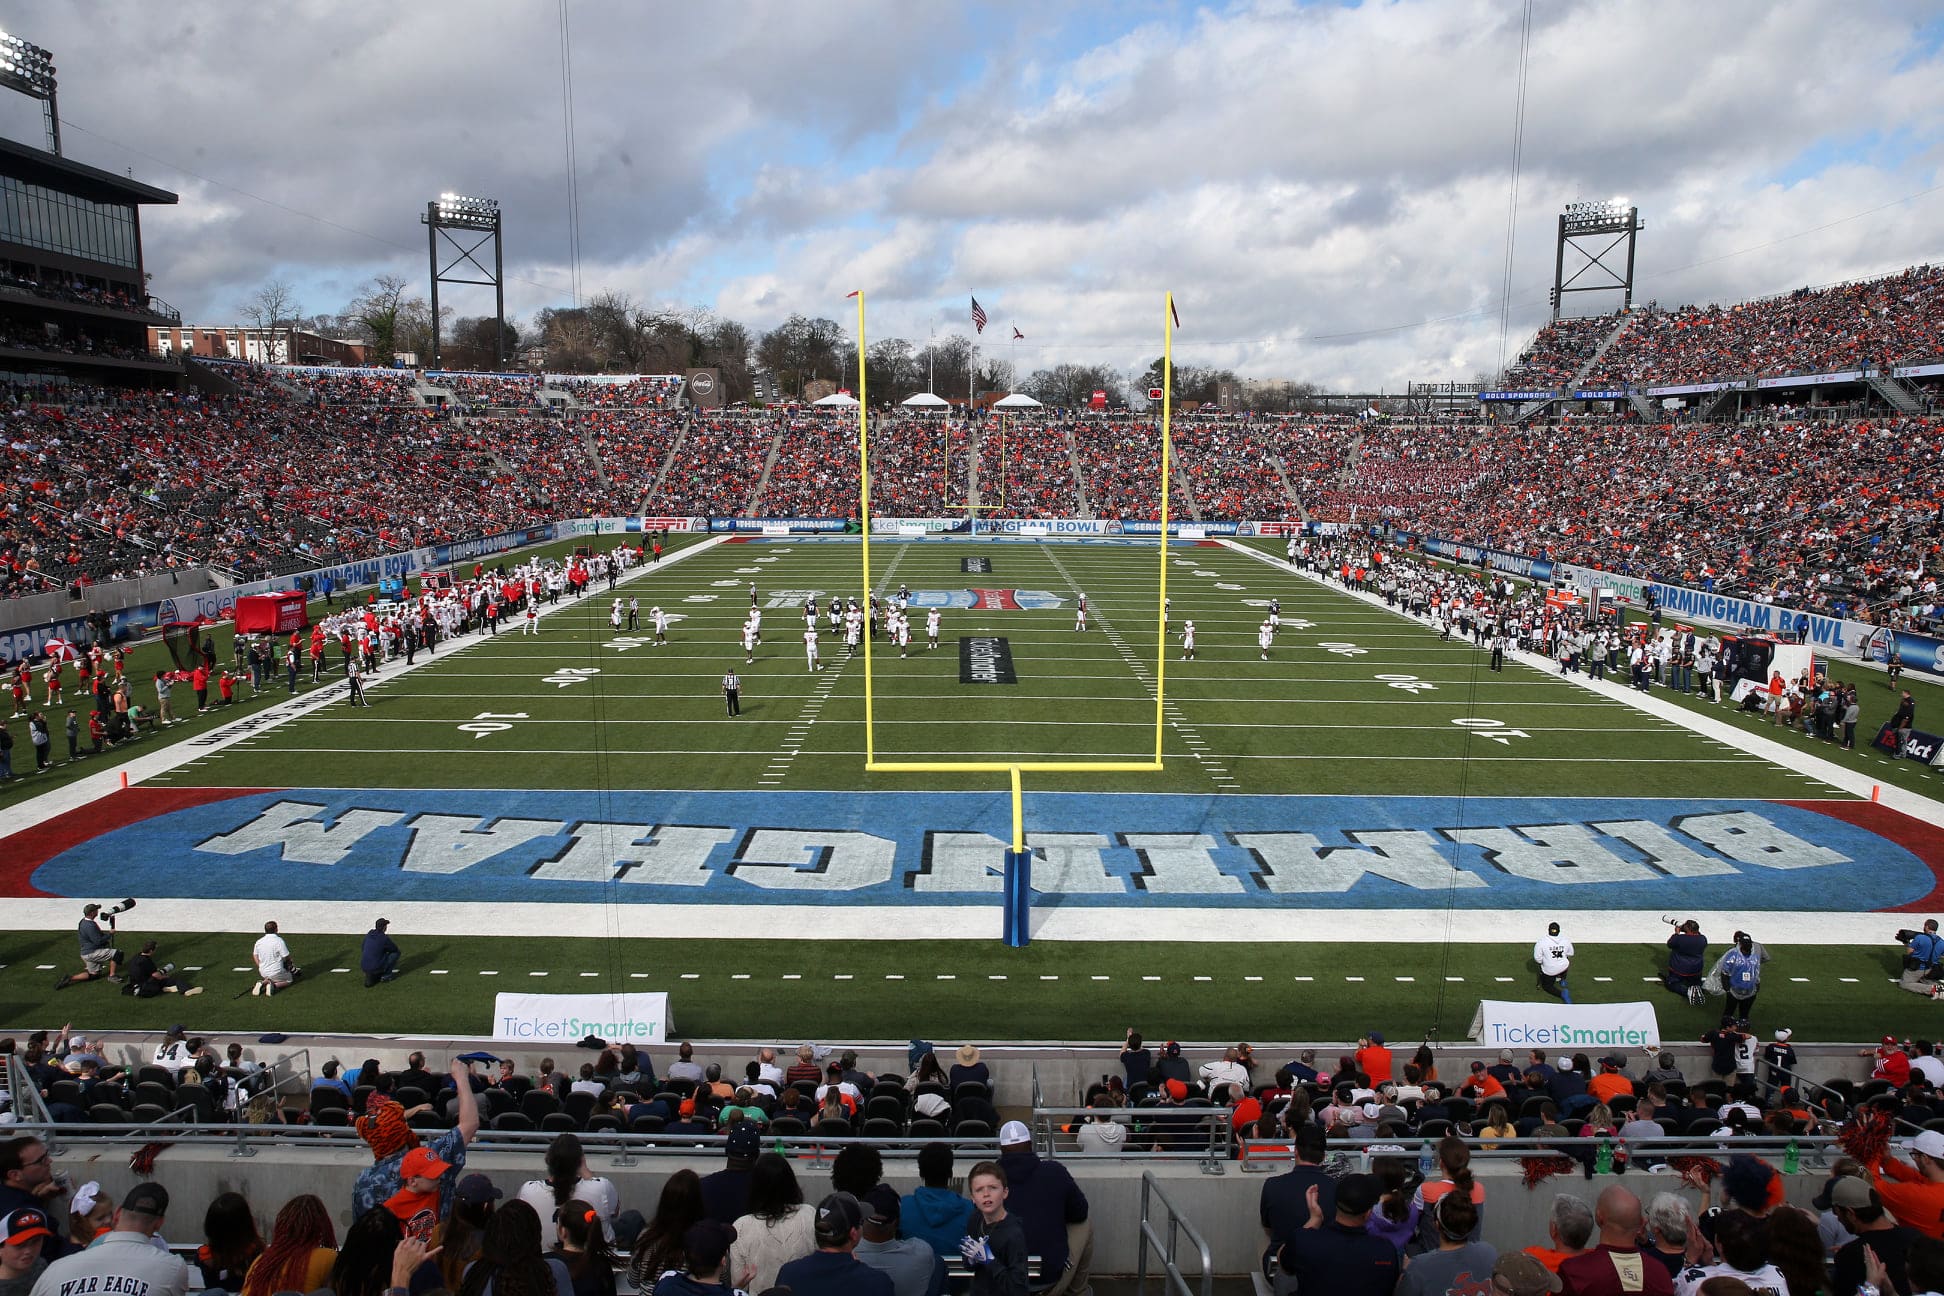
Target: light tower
column 29, row 69
column 1583, row 226
column 457, row 219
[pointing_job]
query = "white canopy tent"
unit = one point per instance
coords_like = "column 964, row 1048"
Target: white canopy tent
column 837, row 399
column 1018, row 400
column 927, row 400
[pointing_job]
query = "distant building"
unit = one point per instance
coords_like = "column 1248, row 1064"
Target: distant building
column 279, row 345
column 74, row 302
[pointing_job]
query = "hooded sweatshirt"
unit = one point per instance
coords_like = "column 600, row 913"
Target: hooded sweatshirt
column 1043, row 1197
column 938, row 1216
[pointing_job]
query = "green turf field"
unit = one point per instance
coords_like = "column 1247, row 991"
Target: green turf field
column 1341, row 706
column 1353, row 701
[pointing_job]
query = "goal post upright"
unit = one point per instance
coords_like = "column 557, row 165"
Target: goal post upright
column 1018, row 895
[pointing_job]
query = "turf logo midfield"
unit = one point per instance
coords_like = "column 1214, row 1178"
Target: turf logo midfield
column 946, row 848
column 989, row 600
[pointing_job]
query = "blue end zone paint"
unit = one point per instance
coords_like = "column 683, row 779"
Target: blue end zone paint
column 947, row 848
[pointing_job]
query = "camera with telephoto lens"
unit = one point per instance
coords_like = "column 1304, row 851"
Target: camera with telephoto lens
column 108, row 913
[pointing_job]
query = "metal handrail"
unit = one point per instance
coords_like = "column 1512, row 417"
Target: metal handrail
column 1166, row 1248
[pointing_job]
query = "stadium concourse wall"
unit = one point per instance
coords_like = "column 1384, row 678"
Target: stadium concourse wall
column 143, row 616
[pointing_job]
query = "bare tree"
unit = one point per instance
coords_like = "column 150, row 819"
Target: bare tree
column 268, row 308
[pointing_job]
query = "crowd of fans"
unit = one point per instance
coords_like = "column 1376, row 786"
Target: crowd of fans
column 1876, row 323
column 649, row 392
column 489, row 390
column 1412, row 1218
column 1556, row 354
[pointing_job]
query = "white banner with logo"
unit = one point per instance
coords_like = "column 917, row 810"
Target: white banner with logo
column 1501, row 1024
column 640, row 1018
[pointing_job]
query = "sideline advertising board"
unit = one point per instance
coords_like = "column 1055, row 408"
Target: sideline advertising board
column 1500, row 1023
column 1831, row 634
column 1918, row 652
column 639, row 1018
column 1053, row 526
column 762, row 526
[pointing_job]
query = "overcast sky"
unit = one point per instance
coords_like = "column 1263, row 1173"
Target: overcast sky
column 1324, row 188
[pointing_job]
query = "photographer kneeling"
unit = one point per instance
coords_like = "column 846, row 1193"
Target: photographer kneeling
column 99, row 957
column 1923, row 951
column 146, row 978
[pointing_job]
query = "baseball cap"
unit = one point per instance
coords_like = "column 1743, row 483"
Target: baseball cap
column 1784, row 1033
column 1014, row 1132
column 1852, row 1191
column 147, row 1199
column 1518, row 1274
column 706, row 1243
column 1930, row 1143
column 22, row 1225
column 422, row 1161
column 1477, row 1067
column 881, row 1205
column 1376, row 1037
column 1177, row 1089
column 476, row 1190
column 1890, row 1041
column 1172, row 1049
column 837, row 1215
column 743, row 1140
column 1358, row 1193
column 1612, row 1061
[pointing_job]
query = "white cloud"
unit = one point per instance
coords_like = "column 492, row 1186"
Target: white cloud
column 1306, row 178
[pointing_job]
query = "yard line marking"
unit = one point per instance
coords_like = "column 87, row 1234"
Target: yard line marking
column 43, row 967
column 590, row 974
column 1303, row 978
column 1847, row 980
column 947, row 976
column 438, row 972
column 489, row 972
column 1407, row 978
column 1798, row 978
column 638, row 976
column 793, row 976
column 1502, row 980
column 1098, row 977
column 1453, row 978
column 1250, row 978
column 1351, row 978
column 691, row 976
column 536, row 974
column 1150, row 978
column 739, row 976
column 1049, row 978
column 241, row 969
column 894, row 976
column 340, row 969
column 997, row 976
column 844, row 976
column 1603, row 978
column 1203, row 978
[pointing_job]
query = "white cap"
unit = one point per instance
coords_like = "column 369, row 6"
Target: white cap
column 1784, row 1033
column 1013, row 1132
column 1930, row 1143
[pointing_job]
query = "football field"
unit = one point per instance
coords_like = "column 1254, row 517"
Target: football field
column 1366, row 827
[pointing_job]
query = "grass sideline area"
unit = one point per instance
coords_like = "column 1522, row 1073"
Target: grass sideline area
column 948, row 990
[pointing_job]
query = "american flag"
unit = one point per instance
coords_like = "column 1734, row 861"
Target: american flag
column 978, row 315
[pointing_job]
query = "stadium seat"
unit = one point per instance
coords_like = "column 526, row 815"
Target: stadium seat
column 970, row 1089
column 427, row 1121
column 1434, row 1129
column 512, row 1120
column 646, row 1125
column 152, row 1074
column 558, row 1121
column 517, row 1086
column 787, row 1126
column 538, row 1104
column 332, row 1117
column 410, row 1096
column 885, row 1107
column 834, row 1129
column 891, row 1078
column 322, row 1100
column 926, row 1129
column 360, row 1096
column 880, row 1128
column 147, row 1113
column 102, row 1113
column 972, row 1108
column 65, row 1091
column 578, row 1106
column 605, row 1123
column 495, row 1101
column 148, row 1091
column 972, row 1129
column 200, row 1099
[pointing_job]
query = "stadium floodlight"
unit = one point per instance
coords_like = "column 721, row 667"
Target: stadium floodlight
column 1615, row 220
column 28, row 69
column 1018, row 860
column 470, row 216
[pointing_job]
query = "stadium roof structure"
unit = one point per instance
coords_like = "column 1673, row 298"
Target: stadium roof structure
column 41, row 167
column 1018, row 400
column 927, row 400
